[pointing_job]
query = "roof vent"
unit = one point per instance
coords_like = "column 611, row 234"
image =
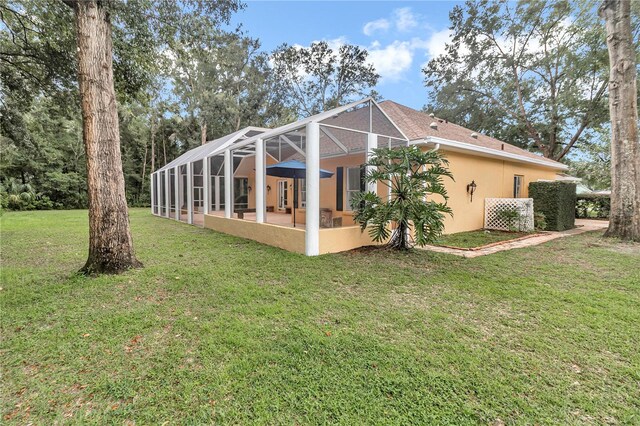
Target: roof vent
column 474, row 135
column 434, row 125
column 432, row 115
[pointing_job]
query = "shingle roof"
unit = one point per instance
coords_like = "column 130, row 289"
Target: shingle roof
column 416, row 125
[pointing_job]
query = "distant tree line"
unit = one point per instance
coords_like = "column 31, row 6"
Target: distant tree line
column 533, row 74
column 180, row 80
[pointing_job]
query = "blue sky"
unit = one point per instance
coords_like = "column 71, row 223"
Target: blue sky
column 400, row 36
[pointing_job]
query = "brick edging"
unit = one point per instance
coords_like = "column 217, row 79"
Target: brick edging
column 497, row 243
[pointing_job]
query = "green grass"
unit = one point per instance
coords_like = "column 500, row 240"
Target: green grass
column 477, row 238
column 216, row 329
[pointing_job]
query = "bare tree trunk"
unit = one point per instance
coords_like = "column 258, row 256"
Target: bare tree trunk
column 203, row 132
column 164, row 148
column 110, row 243
column 624, row 220
column 153, row 142
column 144, row 168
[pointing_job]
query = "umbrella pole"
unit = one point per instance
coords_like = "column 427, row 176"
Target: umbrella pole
column 295, row 193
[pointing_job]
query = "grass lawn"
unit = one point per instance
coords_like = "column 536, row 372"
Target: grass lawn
column 216, row 329
column 478, row 238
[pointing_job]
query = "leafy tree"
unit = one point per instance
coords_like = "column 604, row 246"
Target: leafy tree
column 593, row 165
column 225, row 86
column 316, row 78
column 530, row 72
column 138, row 39
column 413, row 177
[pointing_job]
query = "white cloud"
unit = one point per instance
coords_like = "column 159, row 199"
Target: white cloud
column 405, row 19
column 378, row 25
column 393, row 60
column 402, row 19
column 336, row 43
column 435, row 45
column 437, row 41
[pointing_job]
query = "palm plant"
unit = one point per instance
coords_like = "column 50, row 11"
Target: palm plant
column 16, row 195
column 413, row 178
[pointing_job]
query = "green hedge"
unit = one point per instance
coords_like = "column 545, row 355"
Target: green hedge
column 594, row 206
column 557, row 201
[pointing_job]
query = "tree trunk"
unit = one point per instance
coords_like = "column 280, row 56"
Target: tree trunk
column 164, row 148
column 400, row 237
column 153, row 142
column 203, row 132
column 144, row 169
column 624, row 219
column 110, row 243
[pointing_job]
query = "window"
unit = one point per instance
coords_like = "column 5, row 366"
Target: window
column 240, row 193
column 517, row 185
column 353, row 184
column 283, row 195
column 302, row 183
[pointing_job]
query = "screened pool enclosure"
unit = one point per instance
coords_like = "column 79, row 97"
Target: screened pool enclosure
column 224, row 184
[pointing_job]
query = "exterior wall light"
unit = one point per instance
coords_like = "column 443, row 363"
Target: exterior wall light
column 268, row 188
column 471, row 188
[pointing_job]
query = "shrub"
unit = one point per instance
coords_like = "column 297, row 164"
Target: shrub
column 594, row 206
column 18, row 196
column 64, row 190
column 557, row 201
column 512, row 216
column 539, row 221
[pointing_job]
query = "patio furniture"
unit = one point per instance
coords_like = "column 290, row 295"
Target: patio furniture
column 325, row 218
column 241, row 212
column 295, row 170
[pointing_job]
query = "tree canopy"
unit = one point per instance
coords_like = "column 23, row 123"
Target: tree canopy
column 316, row 78
column 532, row 73
column 158, row 46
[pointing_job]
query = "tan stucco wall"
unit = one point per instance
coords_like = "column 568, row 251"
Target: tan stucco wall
column 494, row 179
column 290, row 239
column 335, row 240
column 332, row 240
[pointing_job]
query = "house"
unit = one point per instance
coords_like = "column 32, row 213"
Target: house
column 228, row 185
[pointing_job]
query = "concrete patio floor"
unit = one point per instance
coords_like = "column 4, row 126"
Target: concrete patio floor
column 582, row 225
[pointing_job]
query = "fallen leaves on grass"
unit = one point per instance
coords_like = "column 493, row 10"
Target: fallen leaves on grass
column 132, row 344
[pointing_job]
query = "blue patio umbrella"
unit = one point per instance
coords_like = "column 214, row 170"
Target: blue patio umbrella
column 295, row 170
